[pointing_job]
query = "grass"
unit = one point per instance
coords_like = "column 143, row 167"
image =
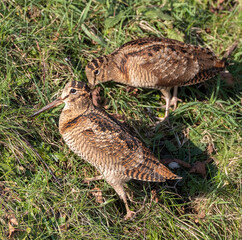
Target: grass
column 45, row 44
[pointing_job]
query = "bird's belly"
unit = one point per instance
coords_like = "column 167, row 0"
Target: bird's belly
column 103, row 162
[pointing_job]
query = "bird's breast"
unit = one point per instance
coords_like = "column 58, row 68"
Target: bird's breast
column 90, row 151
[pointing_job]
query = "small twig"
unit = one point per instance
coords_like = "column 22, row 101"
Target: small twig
column 143, row 205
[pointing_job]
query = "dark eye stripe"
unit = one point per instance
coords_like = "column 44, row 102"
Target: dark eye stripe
column 100, row 59
column 95, row 62
column 65, row 97
column 90, row 66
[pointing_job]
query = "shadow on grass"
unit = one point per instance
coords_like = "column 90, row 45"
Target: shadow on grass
column 166, row 146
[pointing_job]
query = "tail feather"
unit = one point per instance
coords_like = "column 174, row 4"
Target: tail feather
column 150, row 170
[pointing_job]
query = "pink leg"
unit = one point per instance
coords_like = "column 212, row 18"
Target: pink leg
column 167, row 96
column 120, row 191
column 175, row 99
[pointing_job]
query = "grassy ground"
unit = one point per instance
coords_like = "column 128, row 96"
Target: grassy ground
column 45, row 44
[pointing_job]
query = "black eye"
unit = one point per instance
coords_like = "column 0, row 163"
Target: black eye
column 96, row 72
column 73, row 90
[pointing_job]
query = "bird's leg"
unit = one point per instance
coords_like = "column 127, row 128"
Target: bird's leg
column 174, row 99
column 120, row 191
column 88, row 180
column 167, row 97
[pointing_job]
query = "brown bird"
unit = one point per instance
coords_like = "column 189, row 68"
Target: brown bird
column 104, row 142
column 157, row 63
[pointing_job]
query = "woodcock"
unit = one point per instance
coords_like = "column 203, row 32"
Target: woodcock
column 157, row 63
column 104, row 142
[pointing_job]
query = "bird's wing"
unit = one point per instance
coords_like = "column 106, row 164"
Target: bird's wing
column 123, row 152
column 163, row 66
column 108, row 135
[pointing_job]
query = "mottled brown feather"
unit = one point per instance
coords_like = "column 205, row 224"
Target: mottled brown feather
column 109, row 138
column 156, row 63
column 106, row 143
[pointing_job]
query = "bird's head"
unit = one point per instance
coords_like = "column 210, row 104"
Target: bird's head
column 76, row 95
column 98, row 70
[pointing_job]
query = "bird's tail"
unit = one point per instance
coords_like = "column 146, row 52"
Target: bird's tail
column 150, row 169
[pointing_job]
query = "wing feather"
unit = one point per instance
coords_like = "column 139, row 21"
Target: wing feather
column 120, row 150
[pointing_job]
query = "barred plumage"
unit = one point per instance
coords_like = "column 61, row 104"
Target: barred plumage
column 104, row 142
column 158, row 63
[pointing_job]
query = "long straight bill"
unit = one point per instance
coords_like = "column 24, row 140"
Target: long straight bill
column 53, row 104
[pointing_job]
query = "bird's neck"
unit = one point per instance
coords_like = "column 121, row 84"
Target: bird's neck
column 71, row 113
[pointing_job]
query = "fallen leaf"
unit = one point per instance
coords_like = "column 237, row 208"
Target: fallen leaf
column 33, row 12
column 154, row 196
column 227, row 77
column 132, row 90
column 12, row 221
column 196, row 220
column 64, row 227
column 11, row 229
column 210, row 148
column 202, row 214
column 97, row 193
column 56, row 37
column 200, row 167
column 207, row 30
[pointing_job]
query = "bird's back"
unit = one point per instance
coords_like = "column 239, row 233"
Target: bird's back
column 163, row 62
column 105, row 143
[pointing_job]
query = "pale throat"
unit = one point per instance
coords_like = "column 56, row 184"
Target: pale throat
column 73, row 109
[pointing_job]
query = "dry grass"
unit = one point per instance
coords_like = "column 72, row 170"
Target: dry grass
column 43, row 45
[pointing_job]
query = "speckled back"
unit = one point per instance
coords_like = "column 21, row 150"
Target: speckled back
column 155, row 63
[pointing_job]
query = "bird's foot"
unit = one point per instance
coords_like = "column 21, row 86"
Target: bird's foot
column 161, row 119
column 130, row 214
column 164, row 119
column 174, row 101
